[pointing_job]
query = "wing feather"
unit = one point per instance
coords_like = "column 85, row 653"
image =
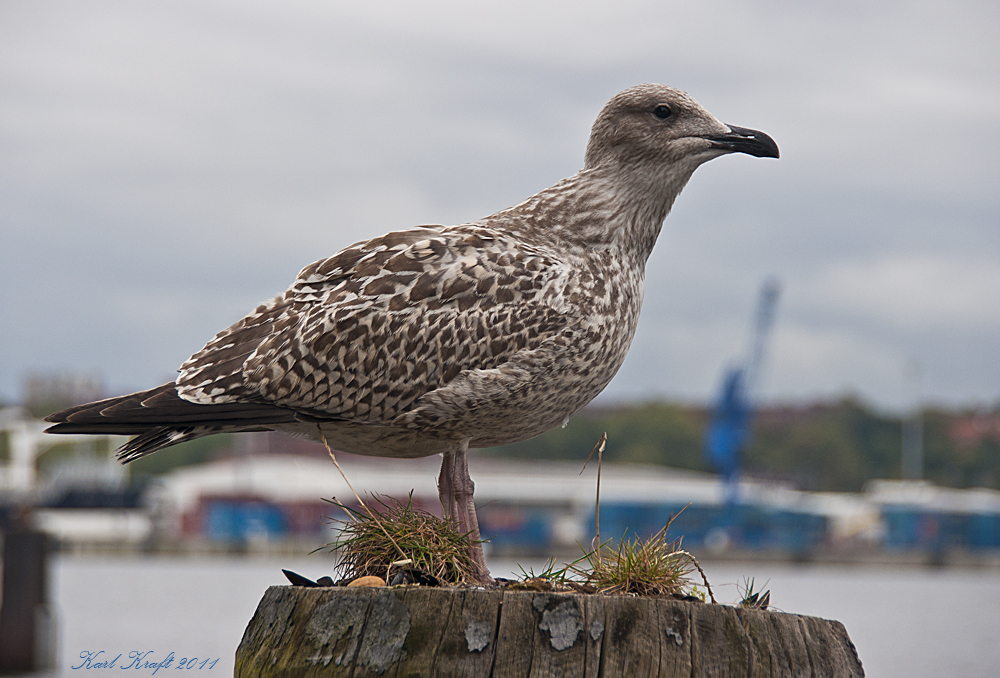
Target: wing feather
column 364, row 334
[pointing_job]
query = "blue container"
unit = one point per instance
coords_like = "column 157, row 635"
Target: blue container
column 984, row 531
column 239, row 521
column 522, row 528
column 747, row 526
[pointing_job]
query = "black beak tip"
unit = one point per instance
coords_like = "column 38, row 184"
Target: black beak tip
column 749, row 141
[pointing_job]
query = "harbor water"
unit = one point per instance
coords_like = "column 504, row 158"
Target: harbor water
column 908, row 622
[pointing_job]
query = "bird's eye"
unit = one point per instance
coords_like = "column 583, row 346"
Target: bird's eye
column 662, row 112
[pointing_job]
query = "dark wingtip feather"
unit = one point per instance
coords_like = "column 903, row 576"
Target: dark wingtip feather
column 160, row 418
column 162, row 407
column 102, row 429
column 156, row 439
column 101, row 413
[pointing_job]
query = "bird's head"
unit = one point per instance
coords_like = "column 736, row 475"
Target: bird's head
column 657, row 130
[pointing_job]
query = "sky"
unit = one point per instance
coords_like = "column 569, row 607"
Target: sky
column 164, row 167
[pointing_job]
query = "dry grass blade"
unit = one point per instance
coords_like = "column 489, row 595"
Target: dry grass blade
column 599, row 448
column 356, row 495
column 371, row 542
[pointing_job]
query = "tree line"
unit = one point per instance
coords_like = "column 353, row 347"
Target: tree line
column 833, row 446
column 836, row 446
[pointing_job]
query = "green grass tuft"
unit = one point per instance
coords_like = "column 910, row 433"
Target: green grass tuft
column 755, row 600
column 371, row 541
column 642, row 567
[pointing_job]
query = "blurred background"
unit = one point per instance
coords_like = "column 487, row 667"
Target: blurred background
column 164, row 168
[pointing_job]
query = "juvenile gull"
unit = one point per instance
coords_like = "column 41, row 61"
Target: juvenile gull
column 441, row 338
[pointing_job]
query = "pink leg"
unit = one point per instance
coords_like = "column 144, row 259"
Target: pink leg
column 455, row 488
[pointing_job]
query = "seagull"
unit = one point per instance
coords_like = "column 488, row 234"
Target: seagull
column 438, row 339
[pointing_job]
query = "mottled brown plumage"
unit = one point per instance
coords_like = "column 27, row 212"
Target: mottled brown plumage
column 441, row 338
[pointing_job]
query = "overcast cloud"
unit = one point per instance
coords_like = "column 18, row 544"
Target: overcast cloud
column 166, row 166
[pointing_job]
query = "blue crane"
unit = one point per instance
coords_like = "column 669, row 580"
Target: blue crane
column 729, row 430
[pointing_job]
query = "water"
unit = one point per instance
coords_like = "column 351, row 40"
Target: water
column 904, row 622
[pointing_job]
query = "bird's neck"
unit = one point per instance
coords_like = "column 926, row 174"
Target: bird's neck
column 601, row 209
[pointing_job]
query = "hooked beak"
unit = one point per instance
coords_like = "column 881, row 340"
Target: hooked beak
column 743, row 140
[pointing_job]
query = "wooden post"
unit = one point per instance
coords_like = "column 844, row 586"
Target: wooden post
column 25, row 621
column 419, row 631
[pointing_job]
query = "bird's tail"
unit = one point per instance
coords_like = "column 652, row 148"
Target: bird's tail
column 161, row 418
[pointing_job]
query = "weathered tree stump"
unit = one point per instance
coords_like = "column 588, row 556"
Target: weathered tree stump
column 420, row 631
